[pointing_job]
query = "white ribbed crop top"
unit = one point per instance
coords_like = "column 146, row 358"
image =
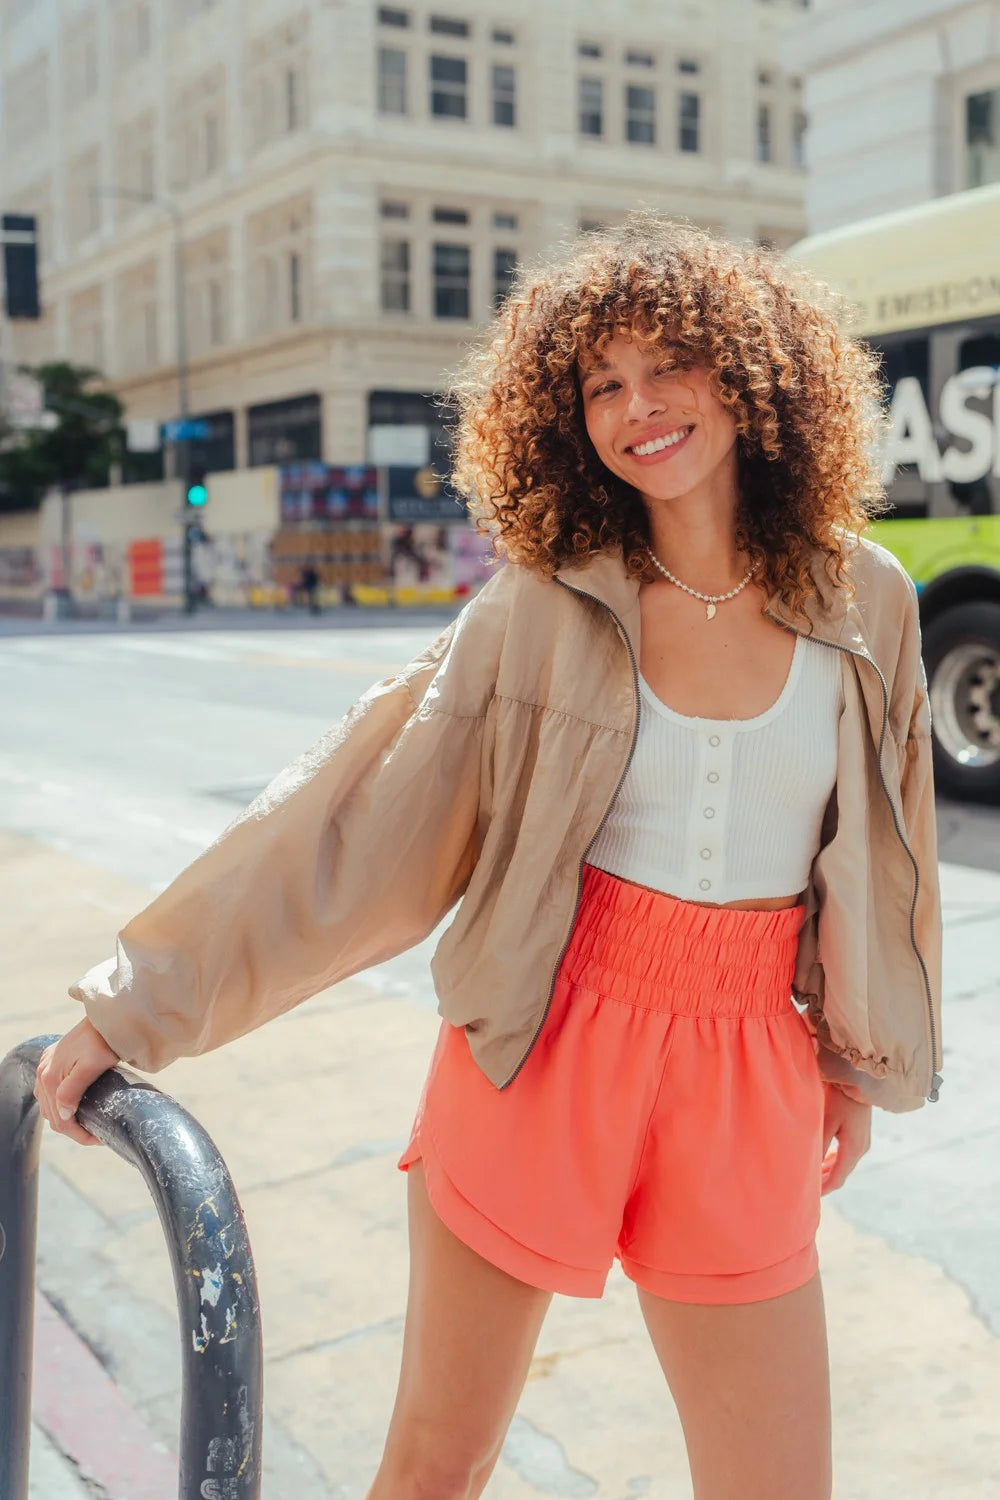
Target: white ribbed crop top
column 729, row 809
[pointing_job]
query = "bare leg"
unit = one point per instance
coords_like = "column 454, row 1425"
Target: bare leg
column 470, row 1333
column 752, row 1388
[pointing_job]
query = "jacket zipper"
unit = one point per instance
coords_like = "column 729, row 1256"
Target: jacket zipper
column 936, row 1080
column 607, row 813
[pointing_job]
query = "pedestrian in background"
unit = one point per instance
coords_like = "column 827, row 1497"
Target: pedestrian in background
column 309, row 585
column 673, row 764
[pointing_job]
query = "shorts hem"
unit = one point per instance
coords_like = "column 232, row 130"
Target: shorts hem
column 487, row 1239
column 726, row 1288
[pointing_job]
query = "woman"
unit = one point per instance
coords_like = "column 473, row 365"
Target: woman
column 674, row 760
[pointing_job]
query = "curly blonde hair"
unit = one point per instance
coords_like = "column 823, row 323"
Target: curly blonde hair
column 806, row 398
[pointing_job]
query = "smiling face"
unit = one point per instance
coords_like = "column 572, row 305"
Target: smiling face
column 662, row 430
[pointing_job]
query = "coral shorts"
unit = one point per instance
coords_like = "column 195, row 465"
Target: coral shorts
column 670, row 1113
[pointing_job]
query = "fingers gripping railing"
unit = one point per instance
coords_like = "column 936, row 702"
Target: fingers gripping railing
column 221, row 1356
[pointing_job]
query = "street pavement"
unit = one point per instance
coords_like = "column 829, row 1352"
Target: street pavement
column 117, row 762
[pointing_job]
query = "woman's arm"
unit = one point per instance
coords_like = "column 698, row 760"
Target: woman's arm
column 351, row 855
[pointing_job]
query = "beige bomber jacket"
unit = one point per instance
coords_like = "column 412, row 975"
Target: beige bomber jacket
column 480, row 774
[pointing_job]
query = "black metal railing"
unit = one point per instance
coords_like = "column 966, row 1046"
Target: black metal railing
column 221, row 1351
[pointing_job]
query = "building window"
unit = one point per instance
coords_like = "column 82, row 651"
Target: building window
column 640, row 115
column 295, row 286
column 388, row 16
column 291, row 99
column 276, row 94
column 143, row 33
column 591, row 106
column 216, row 314
column 689, row 122
column 391, row 81
column 447, row 26
column 283, row 432
column 450, row 216
column 502, row 38
column 394, row 262
column 982, row 138
column 279, row 265
column 639, row 60
column 799, row 125
column 452, row 275
column 134, row 165
column 504, row 221
column 144, row 171
column 688, row 65
column 80, row 60
column 504, row 101
column 589, row 49
column 212, row 152
column 26, row 102
column 763, row 132
column 448, row 87
column 83, row 202
column 138, row 318
column 392, row 209
column 504, row 270
column 149, row 334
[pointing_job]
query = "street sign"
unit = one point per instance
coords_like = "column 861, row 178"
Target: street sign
column 22, row 403
column 142, row 434
column 185, row 431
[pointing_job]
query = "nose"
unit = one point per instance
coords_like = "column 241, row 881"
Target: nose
column 643, row 401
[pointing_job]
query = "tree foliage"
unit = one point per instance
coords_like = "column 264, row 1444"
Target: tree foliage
column 75, row 454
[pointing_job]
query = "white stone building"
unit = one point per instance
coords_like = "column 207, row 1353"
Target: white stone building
column 342, row 187
column 903, row 98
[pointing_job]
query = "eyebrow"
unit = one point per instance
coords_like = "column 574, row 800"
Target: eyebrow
column 596, row 369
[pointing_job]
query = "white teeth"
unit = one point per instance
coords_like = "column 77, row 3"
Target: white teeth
column 658, row 444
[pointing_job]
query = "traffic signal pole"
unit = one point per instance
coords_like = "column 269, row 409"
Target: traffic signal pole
column 182, row 450
column 181, row 446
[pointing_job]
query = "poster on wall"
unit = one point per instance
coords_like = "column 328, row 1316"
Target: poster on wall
column 419, row 494
column 327, row 492
column 472, row 559
column 155, row 567
column 418, row 557
column 19, row 567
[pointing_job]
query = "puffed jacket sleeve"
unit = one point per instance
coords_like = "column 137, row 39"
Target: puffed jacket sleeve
column 352, row 854
column 913, row 800
column 916, row 780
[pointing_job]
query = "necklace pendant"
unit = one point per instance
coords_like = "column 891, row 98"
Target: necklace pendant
column 710, row 611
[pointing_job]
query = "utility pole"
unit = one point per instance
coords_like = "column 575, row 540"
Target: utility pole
column 180, row 445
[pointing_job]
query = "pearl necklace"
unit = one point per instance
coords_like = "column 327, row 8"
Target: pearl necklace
column 709, row 600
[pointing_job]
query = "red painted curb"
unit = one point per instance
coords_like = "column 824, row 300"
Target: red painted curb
column 78, row 1405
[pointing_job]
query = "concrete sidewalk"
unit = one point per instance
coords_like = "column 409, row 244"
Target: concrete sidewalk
column 310, row 1114
column 52, row 1476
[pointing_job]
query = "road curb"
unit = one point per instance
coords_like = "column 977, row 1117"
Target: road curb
column 88, row 1419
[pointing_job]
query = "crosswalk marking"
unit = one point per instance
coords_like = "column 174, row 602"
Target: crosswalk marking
column 379, row 653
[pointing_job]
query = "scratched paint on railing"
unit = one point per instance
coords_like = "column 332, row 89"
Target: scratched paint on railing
column 211, row 1284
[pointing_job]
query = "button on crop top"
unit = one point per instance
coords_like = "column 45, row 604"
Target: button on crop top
column 729, row 809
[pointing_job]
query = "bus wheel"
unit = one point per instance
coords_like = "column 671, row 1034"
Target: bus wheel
column 962, row 657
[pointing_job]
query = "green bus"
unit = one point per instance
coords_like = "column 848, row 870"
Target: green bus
column 926, row 285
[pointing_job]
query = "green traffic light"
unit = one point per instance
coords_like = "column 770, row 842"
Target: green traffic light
column 197, row 495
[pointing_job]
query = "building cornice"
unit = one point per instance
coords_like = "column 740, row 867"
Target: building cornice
column 851, row 30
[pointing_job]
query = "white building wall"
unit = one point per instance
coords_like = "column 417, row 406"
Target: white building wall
column 885, row 87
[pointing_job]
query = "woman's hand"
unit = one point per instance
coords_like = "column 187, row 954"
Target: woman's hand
column 65, row 1072
column 850, row 1124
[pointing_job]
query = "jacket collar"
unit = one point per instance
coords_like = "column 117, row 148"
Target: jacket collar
column 831, row 615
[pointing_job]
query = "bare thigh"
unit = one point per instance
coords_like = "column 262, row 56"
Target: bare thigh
column 468, row 1340
column 752, row 1387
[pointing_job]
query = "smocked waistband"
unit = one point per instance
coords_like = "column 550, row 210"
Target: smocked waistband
column 656, row 952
